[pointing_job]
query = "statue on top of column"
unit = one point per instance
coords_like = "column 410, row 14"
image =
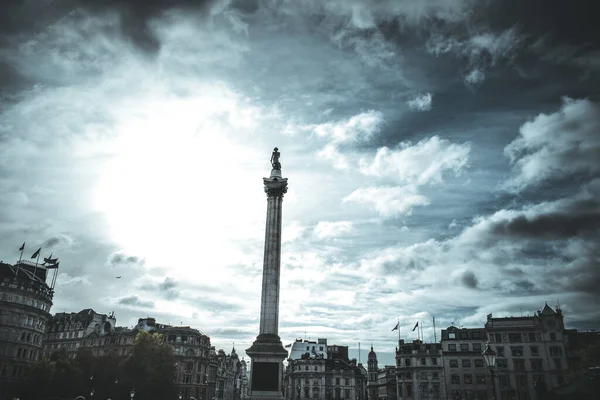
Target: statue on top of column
column 275, row 159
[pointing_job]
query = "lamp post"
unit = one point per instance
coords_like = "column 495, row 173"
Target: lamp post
column 132, row 394
column 489, row 355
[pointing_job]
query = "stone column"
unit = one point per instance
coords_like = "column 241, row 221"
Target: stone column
column 267, row 353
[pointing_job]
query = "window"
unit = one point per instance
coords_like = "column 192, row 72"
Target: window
column 498, row 338
column 478, row 363
column 407, row 362
column 456, row 395
column 555, row 351
column 409, row 390
column 519, row 365
column 320, row 348
column 557, row 363
column 347, row 393
column 516, row 351
column 463, row 335
column 347, row 381
column 466, row 363
column 514, row 337
column 531, row 336
column 480, row 379
column 469, row 395
column 316, row 368
column 534, row 350
column 476, row 346
column 434, row 361
column 306, row 368
column 453, row 363
column 501, row 364
column 500, row 351
column 468, row 378
column 464, row 347
column 337, row 381
column 435, row 376
column 536, row 364
column 552, row 336
column 476, row 335
column 504, row 381
column 481, row 395
column 521, row 380
column 423, row 361
column 451, row 347
column 451, row 335
column 455, row 379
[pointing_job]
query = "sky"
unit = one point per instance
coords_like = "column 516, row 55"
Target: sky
column 443, row 159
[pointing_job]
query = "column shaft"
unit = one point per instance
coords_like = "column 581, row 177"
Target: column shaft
column 269, row 310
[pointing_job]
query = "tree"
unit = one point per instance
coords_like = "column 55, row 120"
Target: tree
column 149, row 368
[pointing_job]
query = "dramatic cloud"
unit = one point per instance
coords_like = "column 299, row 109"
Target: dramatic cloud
column 558, row 145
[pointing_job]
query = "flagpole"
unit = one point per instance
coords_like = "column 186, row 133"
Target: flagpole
column 434, row 334
column 398, row 331
column 359, row 352
column 422, row 335
column 21, row 256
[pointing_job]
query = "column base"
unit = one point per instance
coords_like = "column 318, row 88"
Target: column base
column 266, row 373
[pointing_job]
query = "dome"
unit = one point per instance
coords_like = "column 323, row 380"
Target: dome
column 372, row 354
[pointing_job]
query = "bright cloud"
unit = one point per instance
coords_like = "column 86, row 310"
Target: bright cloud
column 389, row 201
column 327, row 229
column 421, row 102
column 419, row 164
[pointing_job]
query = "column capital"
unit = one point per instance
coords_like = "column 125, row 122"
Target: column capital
column 275, row 187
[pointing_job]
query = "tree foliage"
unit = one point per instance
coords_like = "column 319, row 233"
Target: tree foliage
column 148, row 369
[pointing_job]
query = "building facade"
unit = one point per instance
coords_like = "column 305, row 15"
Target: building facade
column 420, row 370
column 318, row 371
column 25, row 302
column 67, row 330
column 531, row 351
column 465, row 373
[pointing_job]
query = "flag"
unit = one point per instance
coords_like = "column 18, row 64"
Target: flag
column 396, row 327
column 416, row 326
column 50, row 260
column 53, row 266
column 22, row 247
column 37, row 253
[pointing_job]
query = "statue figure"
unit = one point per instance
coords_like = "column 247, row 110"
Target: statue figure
column 275, row 159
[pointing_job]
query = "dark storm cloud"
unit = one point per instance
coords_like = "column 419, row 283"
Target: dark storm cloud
column 469, row 280
column 28, row 16
column 136, row 301
column 577, row 219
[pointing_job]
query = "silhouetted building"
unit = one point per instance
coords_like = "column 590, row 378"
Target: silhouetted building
column 25, row 302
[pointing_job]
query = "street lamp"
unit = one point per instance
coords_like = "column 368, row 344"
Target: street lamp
column 132, row 394
column 489, row 356
column 180, row 396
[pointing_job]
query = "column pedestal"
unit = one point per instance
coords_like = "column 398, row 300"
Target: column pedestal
column 266, row 373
